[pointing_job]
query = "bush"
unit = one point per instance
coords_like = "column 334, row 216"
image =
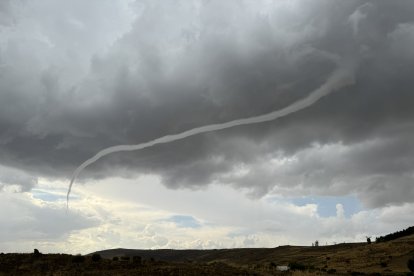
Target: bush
column 36, row 253
column 96, row 257
column 355, row 273
column 115, row 259
column 410, row 264
column 137, row 259
column 78, row 259
column 297, row 266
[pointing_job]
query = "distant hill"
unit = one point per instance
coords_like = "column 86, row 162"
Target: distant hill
column 406, row 232
column 389, row 257
column 284, row 254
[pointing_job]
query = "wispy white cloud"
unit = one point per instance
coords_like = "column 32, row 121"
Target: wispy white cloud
column 142, row 213
column 77, row 77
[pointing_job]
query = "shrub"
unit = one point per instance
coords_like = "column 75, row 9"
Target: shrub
column 137, row 259
column 36, row 253
column 96, row 257
column 115, row 259
column 78, row 259
column 383, row 264
column 410, row 264
column 297, row 266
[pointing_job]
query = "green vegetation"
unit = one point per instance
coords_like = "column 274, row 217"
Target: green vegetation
column 96, row 257
column 36, row 253
column 399, row 234
column 297, row 266
column 383, row 258
column 61, row 264
column 78, row 259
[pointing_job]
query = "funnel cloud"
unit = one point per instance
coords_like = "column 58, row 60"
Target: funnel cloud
column 298, row 110
column 167, row 68
column 342, row 77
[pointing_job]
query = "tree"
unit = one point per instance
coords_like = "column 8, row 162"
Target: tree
column 368, row 240
column 316, row 243
column 77, row 259
column 96, row 257
column 37, row 253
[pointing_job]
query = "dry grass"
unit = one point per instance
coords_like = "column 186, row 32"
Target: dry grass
column 388, row 258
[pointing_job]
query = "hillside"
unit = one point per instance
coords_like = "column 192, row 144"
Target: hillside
column 383, row 258
column 386, row 257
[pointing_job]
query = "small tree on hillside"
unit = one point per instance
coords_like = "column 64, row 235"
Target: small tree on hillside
column 368, row 240
column 37, row 253
column 77, row 259
column 316, row 243
column 96, row 257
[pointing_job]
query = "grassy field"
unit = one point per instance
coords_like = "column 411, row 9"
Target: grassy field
column 384, row 258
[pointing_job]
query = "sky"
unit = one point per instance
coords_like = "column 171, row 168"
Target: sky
column 77, row 77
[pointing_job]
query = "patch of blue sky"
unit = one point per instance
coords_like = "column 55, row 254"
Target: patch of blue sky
column 327, row 204
column 47, row 196
column 184, row 221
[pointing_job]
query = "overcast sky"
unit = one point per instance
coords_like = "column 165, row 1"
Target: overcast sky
column 80, row 76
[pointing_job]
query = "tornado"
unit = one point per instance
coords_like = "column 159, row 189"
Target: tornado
column 341, row 77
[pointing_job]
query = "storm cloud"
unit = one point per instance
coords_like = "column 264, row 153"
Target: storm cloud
column 74, row 81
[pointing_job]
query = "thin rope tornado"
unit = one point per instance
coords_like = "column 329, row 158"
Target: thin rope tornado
column 341, row 77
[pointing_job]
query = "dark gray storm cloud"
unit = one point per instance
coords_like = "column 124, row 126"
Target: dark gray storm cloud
column 74, row 82
column 6, row 12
